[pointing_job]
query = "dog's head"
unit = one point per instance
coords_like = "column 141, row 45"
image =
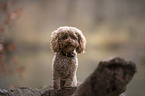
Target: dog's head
column 66, row 39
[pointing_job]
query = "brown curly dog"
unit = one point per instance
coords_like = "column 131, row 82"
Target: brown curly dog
column 66, row 42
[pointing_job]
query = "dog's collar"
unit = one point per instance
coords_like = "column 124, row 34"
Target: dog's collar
column 68, row 54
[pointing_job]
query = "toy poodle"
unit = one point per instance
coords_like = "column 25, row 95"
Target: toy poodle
column 66, row 43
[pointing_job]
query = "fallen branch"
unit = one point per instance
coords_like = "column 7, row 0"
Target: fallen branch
column 109, row 79
column 21, row 91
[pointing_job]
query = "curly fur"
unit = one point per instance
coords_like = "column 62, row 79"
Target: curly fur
column 66, row 42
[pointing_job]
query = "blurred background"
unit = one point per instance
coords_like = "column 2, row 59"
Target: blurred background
column 111, row 27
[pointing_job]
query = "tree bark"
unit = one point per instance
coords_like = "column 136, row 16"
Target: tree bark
column 20, row 91
column 109, row 79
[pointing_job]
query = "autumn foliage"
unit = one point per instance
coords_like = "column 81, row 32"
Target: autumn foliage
column 8, row 62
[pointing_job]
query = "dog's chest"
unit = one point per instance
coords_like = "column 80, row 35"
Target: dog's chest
column 65, row 65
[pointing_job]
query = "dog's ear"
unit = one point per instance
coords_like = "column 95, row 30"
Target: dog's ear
column 54, row 43
column 82, row 43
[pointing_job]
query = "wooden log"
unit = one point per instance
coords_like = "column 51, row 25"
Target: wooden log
column 109, row 79
column 67, row 91
column 21, row 91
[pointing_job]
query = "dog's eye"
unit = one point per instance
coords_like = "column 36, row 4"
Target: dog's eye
column 64, row 37
column 73, row 37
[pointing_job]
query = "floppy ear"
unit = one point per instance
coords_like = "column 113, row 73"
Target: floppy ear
column 82, row 43
column 54, row 43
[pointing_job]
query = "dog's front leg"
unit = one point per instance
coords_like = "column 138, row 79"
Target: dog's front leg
column 68, row 82
column 56, row 82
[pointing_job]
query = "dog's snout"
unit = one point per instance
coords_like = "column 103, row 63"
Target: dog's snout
column 69, row 41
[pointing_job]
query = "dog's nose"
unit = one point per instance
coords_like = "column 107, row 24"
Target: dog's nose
column 69, row 41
